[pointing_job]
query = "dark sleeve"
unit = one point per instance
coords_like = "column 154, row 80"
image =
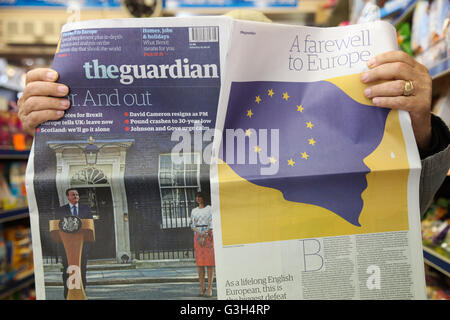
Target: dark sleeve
column 435, row 163
column 440, row 138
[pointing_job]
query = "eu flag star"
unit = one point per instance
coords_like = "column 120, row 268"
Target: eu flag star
column 305, row 155
column 309, row 125
column 312, row 141
column 249, row 113
column 300, row 108
column 285, row 96
column 291, row 162
column 257, row 149
column 270, row 92
column 258, row 99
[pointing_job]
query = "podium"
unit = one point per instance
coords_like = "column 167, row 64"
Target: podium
column 73, row 245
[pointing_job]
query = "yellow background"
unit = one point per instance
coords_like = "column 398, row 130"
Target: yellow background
column 251, row 213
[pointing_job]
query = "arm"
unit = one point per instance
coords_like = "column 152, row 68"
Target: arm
column 196, row 230
column 435, row 163
column 193, row 225
column 42, row 99
column 210, row 223
column 432, row 135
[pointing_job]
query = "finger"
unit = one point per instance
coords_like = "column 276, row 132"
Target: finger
column 35, row 118
column 399, row 102
column 41, row 74
column 386, row 89
column 389, row 71
column 36, row 103
column 41, row 88
column 390, row 57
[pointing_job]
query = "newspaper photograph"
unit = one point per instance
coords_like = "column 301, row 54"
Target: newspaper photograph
column 111, row 208
column 315, row 191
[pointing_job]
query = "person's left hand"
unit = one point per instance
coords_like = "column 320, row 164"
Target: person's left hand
column 397, row 67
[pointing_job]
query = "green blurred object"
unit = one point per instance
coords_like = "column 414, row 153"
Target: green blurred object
column 404, row 37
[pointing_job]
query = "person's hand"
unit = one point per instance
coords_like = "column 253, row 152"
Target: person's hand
column 397, row 67
column 42, row 99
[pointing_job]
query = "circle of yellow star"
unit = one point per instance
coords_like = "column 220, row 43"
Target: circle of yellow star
column 257, row 149
column 305, row 155
column 291, row 162
column 300, row 108
column 249, row 113
column 285, row 96
column 258, row 99
column 309, row 125
column 270, row 92
column 312, row 141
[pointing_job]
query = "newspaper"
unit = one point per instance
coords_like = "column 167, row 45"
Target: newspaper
column 139, row 89
column 314, row 191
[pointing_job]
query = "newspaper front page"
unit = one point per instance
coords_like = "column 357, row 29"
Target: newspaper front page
column 139, row 89
column 315, row 192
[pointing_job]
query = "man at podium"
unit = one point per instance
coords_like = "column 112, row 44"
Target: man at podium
column 83, row 212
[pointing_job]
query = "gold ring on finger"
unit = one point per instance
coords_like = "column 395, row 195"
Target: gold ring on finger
column 408, row 89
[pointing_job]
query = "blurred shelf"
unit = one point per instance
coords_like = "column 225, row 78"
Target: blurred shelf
column 405, row 14
column 15, row 214
column 14, row 154
column 440, row 69
column 25, row 51
column 304, row 6
column 12, row 87
column 9, row 289
column 333, row 16
column 437, row 261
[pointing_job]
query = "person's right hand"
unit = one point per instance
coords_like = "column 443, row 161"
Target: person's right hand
column 42, row 100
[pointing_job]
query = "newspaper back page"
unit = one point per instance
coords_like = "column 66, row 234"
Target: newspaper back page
column 315, row 192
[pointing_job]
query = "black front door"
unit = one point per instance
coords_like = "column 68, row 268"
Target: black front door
column 100, row 201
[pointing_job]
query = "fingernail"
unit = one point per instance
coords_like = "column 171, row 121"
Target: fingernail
column 371, row 62
column 65, row 103
column 51, row 75
column 376, row 101
column 367, row 92
column 62, row 89
column 59, row 113
column 364, row 77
